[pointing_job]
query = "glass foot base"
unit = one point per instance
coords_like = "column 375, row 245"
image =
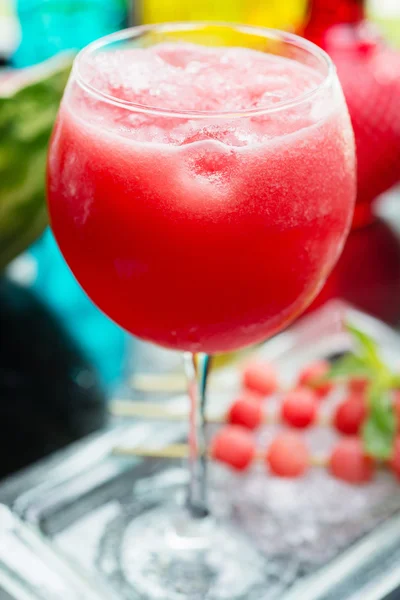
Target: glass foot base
column 153, row 550
column 167, row 555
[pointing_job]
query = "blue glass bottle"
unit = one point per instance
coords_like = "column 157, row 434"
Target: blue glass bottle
column 49, row 27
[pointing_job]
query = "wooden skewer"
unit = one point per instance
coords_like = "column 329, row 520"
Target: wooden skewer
column 153, row 411
column 162, row 412
column 181, row 451
column 169, row 383
column 174, row 383
column 146, row 410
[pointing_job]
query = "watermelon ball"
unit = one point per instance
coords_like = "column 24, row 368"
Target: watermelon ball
column 358, row 384
column 349, row 462
column 299, row 407
column 396, row 407
column 395, row 460
column 234, row 446
column 246, row 411
column 313, row 376
column 351, row 414
column 260, row 377
column 288, row 456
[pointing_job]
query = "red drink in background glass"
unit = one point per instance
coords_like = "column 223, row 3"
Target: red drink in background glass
column 200, row 231
column 368, row 272
column 369, row 71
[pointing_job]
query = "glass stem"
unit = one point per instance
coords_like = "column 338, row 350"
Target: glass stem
column 197, row 368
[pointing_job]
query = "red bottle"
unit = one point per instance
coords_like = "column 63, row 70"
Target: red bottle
column 369, row 71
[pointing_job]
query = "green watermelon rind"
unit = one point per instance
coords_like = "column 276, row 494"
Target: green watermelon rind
column 29, row 103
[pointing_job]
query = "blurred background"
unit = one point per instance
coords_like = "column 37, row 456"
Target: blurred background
column 60, row 358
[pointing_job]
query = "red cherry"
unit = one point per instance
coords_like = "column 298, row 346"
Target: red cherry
column 299, row 407
column 351, row 414
column 260, row 377
column 395, row 460
column 396, row 407
column 288, row 455
column 234, row 446
column 313, row 376
column 349, row 462
column 358, row 384
column 246, row 411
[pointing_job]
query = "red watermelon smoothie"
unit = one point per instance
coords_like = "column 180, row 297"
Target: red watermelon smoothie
column 201, row 195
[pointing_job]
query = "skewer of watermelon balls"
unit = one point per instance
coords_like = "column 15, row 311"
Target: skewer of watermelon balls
column 288, row 455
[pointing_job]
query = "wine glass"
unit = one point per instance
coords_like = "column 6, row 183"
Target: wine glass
column 201, row 182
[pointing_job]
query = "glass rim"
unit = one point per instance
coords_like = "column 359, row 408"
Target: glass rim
column 266, row 32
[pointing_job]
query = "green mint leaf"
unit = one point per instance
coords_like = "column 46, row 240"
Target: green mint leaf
column 395, row 381
column 377, row 444
column 349, row 365
column 380, row 428
column 365, row 341
column 369, row 354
